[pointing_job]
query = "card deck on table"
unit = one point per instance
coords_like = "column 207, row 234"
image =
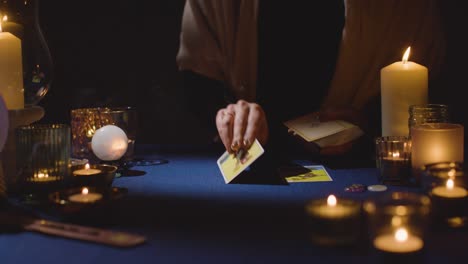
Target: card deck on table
column 231, row 165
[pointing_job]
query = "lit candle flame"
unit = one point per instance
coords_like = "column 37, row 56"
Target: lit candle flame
column 331, row 200
column 401, row 235
column 85, row 191
column 450, row 184
column 451, row 173
column 396, row 154
column 406, row 55
column 5, row 18
column 87, row 166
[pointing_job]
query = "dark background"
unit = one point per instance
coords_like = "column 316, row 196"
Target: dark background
column 122, row 52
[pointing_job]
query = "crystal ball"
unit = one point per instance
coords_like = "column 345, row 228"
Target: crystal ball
column 109, row 143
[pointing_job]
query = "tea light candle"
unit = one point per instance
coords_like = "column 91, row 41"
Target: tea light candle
column 450, row 190
column 403, row 83
column 43, row 177
column 332, row 221
column 85, row 197
column 436, row 142
column 87, row 171
column 399, row 242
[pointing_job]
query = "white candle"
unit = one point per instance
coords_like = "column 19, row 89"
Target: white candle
column 403, row 83
column 399, row 242
column 86, row 171
column 436, row 142
column 43, row 177
column 85, row 197
column 11, row 70
column 109, row 142
column 332, row 209
column 450, row 190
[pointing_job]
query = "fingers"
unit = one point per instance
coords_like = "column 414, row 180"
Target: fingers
column 240, row 124
column 224, row 124
column 242, row 110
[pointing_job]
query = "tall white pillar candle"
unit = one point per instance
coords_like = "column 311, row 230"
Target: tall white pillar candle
column 11, row 71
column 402, row 84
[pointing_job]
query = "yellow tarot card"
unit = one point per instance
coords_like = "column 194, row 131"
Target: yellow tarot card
column 316, row 173
column 231, row 165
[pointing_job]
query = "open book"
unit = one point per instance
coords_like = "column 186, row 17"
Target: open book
column 324, row 134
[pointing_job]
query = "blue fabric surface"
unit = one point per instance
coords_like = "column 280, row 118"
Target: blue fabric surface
column 190, row 215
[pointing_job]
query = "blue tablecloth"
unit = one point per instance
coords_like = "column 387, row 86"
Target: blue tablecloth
column 189, row 215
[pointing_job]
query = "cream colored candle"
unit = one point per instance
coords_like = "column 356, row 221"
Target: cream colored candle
column 332, row 209
column 85, row 197
column 11, row 71
column 436, row 142
column 403, row 83
column 399, row 242
column 450, row 190
column 86, row 171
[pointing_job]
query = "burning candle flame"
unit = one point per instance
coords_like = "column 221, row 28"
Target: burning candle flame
column 396, row 154
column 401, row 235
column 450, row 184
column 87, row 166
column 406, row 55
column 331, row 200
column 85, row 191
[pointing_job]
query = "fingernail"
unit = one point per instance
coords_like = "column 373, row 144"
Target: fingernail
column 235, row 146
column 246, row 142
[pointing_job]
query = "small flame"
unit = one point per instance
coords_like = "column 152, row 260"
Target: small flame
column 450, row 184
column 396, row 154
column 85, row 191
column 401, row 235
column 87, row 166
column 331, row 200
column 5, row 18
column 406, row 55
column 452, row 173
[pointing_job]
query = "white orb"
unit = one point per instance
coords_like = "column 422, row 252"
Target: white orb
column 109, row 143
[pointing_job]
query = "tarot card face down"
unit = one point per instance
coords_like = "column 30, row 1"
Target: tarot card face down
column 231, row 165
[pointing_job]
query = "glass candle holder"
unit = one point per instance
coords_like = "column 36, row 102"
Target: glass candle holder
column 397, row 226
column 393, row 158
column 86, row 121
column 333, row 221
column 43, row 157
column 428, row 113
column 436, row 142
column 447, row 185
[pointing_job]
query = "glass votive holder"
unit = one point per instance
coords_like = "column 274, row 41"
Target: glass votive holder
column 435, row 142
column 96, row 175
column 447, row 186
column 86, row 121
column 333, row 222
column 428, row 113
column 43, row 157
column 393, row 159
column 397, row 223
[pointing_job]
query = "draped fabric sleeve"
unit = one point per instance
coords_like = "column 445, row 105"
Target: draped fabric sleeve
column 219, row 40
column 376, row 34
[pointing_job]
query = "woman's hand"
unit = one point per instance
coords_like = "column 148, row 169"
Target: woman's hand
column 240, row 124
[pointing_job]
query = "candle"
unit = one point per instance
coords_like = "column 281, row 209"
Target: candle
column 109, row 143
column 436, row 142
column 43, row 177
column 403, row 83
column 85, row 196
column 393, row 159
column 399, row 242
column 333, row 222
column 86, row 171
column 11, row 70
column 450, row 190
